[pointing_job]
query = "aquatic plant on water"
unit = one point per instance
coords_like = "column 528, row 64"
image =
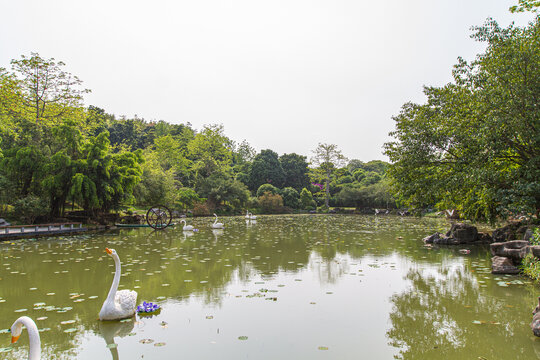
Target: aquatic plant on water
column 148, row 308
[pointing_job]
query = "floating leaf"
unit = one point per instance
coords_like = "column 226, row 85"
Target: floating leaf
column 160, row 344
column 70, row 330
column 323, row 348
column 242, row 338
column 146, row 341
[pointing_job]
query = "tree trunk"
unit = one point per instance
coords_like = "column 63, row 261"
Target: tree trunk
column 326, row 200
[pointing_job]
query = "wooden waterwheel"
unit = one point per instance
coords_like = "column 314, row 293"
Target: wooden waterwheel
column 159, row 217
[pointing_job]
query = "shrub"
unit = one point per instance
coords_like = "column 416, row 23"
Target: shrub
column 291, row 198
column 530, row 266
column 186, row 198
column 264, row 188
column 271, row 203
column 29, row 208
column 306, row 199
column 201, row 209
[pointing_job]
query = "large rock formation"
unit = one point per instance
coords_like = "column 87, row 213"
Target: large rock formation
column 503, row 265
column 535, row 324
column 459, row 234
column 512, row 231
column 514, row 251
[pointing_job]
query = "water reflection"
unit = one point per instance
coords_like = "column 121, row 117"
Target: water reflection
column 311, row 265
column 111, row 329
column 449, row 312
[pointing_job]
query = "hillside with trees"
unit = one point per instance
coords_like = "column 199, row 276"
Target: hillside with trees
column 57, row 155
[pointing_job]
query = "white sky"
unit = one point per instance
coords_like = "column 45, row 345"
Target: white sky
column 282, row 74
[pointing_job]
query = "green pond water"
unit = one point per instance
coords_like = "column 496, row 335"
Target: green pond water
column 289, row 287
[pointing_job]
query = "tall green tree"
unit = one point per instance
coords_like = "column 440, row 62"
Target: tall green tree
column 266, row 169
column 475, row 144
column 329, row 158
column 295, row 171
column 48, row 92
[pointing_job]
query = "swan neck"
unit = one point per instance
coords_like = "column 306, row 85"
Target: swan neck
column 116, row 280
column 33, row 336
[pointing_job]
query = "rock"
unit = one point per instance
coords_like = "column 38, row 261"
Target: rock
column 502, row 265
column 512, row 231
column 535, row 324
column 528, row 235
column 132, row 219
column 535, row 250
column 431, row 238
column 484, row 238
column 514, row 250
column 463, row 233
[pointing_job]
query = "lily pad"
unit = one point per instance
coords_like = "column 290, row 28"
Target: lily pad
column 242, row 338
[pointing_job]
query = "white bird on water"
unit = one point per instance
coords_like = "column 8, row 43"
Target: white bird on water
column 119, row 304
column 217, row 225
column 33, row 334
column 252, row 217
column 187, row 227
column 247, row 215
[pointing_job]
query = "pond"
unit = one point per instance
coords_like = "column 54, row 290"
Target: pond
column 292, row 287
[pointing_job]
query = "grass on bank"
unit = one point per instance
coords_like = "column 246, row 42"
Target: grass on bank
column 530, row 265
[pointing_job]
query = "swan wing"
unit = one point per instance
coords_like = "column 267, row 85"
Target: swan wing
column 127, row 300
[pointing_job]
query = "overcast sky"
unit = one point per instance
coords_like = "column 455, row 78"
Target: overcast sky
column 282, row 74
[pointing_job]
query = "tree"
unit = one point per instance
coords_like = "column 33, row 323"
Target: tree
column 475, row 144
column 271, row 203
column 211, row 151
column 266, row 168
column 264, row 188
column 526, row 5
column 291, row 198
column 47, row 91
column 306, row 199
column 295, row 171
column 328, row 158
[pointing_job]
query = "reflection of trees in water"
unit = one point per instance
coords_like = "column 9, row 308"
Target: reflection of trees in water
column 329, row 270
column 433, row 319
column 273, row 245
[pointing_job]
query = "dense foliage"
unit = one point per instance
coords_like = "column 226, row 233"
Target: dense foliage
column 475, row 144
column 57, row 155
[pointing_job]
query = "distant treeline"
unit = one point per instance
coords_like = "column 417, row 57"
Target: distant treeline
column 57, row 154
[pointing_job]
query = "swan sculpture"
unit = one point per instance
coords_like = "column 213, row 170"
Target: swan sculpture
column 119, row 304
column 187, row 227
column 217, row 225
column 33, row 334
column 247, row 215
